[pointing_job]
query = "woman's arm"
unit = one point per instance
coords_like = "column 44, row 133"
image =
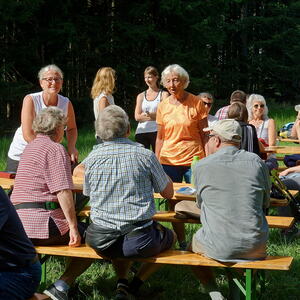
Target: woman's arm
column 159, row 140
column 72, row 134
column 272, row 133
column 65, row 199
column 295, row 169
column 295, row 133
column 139, row 115
column 103, row 102
column 79, row 171
column 27, row 116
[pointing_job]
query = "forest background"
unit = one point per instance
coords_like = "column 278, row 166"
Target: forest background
column 224, row 45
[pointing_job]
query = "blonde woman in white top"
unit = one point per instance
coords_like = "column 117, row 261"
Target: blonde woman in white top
column 102, row 90
column 146, row 107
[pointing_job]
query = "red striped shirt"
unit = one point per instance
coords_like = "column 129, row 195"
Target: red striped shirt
column 44, row 170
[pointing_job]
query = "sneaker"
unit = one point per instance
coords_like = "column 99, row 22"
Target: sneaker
column 55, row 294
column 122, row 294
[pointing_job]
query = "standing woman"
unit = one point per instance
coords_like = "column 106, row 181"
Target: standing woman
column 180, row 121
column 51, row 81
column 102, row 90
column 265, row 127
column 146, row 107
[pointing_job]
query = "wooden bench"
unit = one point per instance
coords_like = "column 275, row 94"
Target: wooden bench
column 273, row 221
column 37, row 296
column 170, row 216
column 245, row 281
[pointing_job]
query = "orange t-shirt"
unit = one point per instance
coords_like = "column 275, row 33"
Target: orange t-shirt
column 182, row 138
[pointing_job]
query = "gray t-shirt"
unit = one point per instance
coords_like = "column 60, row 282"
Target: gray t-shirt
column 233, row 187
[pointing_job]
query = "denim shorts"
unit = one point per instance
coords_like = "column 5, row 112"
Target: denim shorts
column 20, row 283
column 144, row 242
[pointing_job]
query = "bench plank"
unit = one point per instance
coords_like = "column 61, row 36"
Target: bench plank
column 174, row 257
column 169, row 216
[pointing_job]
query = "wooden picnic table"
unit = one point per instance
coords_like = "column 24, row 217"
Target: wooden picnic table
column 7, row 184
column 283, row 149
column 288, row 140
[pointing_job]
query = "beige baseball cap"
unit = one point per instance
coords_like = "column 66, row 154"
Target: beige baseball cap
column 229, row 129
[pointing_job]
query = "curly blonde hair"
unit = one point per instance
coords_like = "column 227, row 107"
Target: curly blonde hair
column 104, row 82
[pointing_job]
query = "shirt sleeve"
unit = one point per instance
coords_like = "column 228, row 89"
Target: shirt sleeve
column 159, row 120
column 159, row 177
column 58, row 173
column 86, row 186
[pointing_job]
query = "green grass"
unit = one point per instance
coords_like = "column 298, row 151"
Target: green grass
column 177, row 282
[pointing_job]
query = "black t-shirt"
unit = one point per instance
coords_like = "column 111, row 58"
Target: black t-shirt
column 16, row 250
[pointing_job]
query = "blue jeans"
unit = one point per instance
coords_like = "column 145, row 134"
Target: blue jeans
column 177, row 173
column 20, row 283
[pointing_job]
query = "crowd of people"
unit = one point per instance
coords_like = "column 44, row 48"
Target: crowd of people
column 120, row 176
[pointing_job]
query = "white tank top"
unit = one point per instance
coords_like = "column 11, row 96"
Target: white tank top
column 110, row 99
column 18, row 144
column 262, row 131
column 149, row 106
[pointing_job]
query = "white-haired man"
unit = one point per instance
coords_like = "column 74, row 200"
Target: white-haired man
column 120, row 177
column 233, row 189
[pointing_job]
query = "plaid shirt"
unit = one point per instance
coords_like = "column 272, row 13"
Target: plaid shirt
column 222, row 112
column 44, row 170
column 120, row 176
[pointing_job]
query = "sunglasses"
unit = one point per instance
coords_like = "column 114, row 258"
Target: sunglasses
column 258, row 105
column 207, row 103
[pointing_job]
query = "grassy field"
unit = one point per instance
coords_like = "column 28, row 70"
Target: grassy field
column 174, row 282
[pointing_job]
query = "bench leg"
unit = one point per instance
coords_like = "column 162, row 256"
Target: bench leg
column 44, row 271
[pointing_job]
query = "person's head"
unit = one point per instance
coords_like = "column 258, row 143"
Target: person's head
column 238, row 96
column 104, row 82
column 207, row 100
column 112, row 123
column 222, row 133
column 51, row 79
column 257, row 107
column 151, row 76
column 175, row 79
column 238, row 111
column 50, row 121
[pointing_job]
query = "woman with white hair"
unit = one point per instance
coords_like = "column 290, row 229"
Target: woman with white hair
column 265, row 127
column 43, row 198
column 180, row 119
column 51, row 80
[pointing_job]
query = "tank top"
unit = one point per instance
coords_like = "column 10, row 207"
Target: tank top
column 18, row 144
column 262, row 131
column 110, row 99
column 149, row 106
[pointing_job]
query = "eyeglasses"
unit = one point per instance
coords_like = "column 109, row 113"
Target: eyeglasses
column 258, row 105
column 50, row 80
column 210, row 135
column 209, row 104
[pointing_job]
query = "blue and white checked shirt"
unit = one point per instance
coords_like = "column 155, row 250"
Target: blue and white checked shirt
column 120, row 177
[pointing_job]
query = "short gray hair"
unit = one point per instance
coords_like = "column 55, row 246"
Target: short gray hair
column 112, row 123
column 47, row 68
column 178, row 70
column 206, row 95
column 48, row 120
column 256, row 98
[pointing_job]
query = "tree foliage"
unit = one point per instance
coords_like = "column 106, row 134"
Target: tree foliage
column 224, row 45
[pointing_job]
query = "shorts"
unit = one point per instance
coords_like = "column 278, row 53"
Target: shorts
column 55, row 238
column 178, row 173
column 144, row 242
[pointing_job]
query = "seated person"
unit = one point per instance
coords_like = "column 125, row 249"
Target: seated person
column 208, row 101
column 43, row 196
column 236, row 96
column 238, row 111
column 20, row 269
column 234, row 225
column 120, row 176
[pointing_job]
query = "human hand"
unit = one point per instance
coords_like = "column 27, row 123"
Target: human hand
column 73, row 152
column 75, row 238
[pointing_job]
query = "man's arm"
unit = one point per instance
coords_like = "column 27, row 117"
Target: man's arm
column 65, row 199
column 168, row 191
column 79, row 171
